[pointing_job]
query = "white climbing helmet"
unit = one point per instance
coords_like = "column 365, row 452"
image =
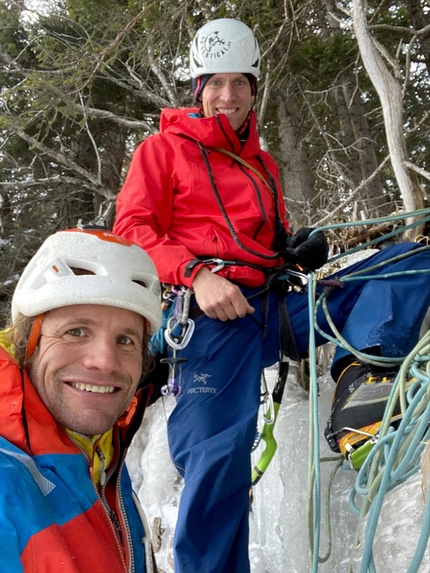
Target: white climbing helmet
column 117, row 273
column 224, row 46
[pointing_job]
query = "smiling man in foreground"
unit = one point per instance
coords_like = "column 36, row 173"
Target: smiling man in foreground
column 82, row 314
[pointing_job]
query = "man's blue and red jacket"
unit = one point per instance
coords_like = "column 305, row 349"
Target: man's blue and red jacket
column 53, row 519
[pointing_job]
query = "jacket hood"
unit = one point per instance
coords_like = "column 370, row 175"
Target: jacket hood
column 214, row 131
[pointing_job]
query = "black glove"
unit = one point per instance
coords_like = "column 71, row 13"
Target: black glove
column 310, row 254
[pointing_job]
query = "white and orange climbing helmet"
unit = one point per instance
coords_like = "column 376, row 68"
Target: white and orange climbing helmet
column 88, row 266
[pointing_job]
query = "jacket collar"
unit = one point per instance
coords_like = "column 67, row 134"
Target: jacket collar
column 214, row 131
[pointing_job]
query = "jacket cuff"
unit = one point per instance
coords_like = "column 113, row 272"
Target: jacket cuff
column 190, row 271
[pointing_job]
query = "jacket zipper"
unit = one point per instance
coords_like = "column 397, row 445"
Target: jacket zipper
column 115, row 521
column 112, row 518
column 126, row 524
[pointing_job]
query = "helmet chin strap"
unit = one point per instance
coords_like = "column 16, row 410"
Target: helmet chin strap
column 34, row 336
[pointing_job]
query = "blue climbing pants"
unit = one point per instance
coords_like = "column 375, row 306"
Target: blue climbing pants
column 212, row 428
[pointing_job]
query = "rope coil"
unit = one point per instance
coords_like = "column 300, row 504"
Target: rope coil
column 396, row 455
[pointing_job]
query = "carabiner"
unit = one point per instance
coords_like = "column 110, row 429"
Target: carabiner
column 173, row 385
column 269, row 410
column 219, row 264
column 267, row 402
column 179, row 342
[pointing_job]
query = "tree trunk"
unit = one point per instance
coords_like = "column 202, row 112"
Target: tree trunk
column 390, row 95
column 373, row 193
column 359, row 145
column 296, row 176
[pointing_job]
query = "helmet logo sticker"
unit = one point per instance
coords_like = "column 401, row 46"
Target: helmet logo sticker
column 213, row 46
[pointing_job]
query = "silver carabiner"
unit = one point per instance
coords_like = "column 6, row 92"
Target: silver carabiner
column 269, row 410
column 219, row 264
column 267, row 402
column 187, row 330
column 304, row 279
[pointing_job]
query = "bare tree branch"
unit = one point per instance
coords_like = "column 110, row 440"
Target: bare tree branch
column 104, row 114
column 59, row 157
column 352, row 196
column 115, row 43
column 418, row 170
column 401, row 29
column 24, row 183
column 167, row 86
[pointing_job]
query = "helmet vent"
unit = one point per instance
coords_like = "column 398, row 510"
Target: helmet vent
column 79, row 272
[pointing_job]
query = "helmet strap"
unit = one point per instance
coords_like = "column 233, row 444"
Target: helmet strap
column 34, row 336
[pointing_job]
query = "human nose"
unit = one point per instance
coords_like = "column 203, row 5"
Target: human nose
column 228, row 92
column 102, row 353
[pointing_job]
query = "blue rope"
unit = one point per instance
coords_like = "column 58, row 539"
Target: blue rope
column 395, row 458
column 423, row 214
column 406, row 441
column 314, row 501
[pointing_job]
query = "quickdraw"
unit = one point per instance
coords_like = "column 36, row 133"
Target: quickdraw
column 178, row 333
column 267, row 434
column 267, row 402
column 268, row 409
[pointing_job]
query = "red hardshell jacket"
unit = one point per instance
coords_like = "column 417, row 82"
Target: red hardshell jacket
column 169, row 207
column 52, row 518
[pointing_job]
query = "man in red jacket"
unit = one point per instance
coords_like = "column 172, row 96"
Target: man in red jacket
column 82, row 313
column 205, row 201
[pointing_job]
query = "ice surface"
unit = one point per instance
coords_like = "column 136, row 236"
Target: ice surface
column 279, row 533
